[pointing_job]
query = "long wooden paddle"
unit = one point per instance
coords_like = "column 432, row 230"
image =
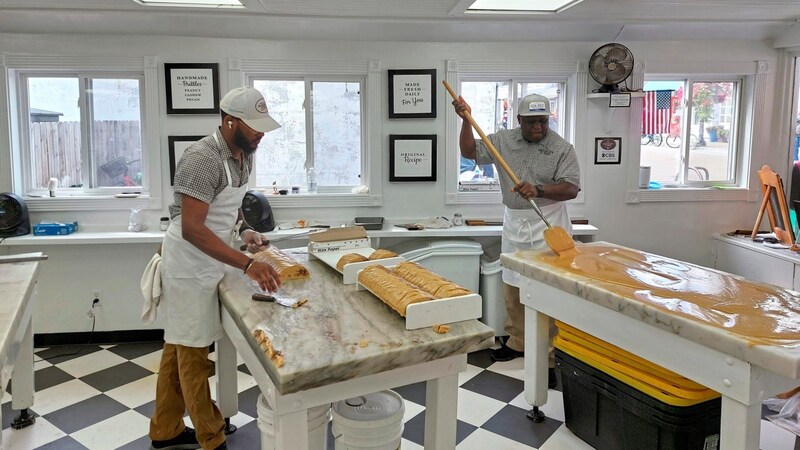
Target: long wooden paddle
column 556, row 237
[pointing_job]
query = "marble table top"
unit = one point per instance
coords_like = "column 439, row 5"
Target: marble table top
column 780, row 359
column 17, row 281
column 341, row 333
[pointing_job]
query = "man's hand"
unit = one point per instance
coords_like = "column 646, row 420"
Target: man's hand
column 254, row 240
column 266, row 277
column 526, row 190
column 461, row 107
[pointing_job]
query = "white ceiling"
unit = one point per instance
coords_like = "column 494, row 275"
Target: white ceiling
column 410, row 20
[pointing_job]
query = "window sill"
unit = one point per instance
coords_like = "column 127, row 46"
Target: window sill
column 691, row 195
column 334, row 200
column 91, row 203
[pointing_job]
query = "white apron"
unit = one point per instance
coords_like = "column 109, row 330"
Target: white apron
column 190, row 277
column 523, row 229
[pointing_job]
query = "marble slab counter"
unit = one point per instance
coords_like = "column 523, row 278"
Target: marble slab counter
column 781, row 359
column 340, row 333
column 17, row 281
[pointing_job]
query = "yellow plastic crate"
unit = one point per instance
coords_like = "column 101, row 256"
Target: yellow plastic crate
column 649, row 378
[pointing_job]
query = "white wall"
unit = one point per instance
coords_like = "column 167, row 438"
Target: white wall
column 676, row 229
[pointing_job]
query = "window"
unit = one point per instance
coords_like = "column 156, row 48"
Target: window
column 324, row 133
column 83, row 130
column 689, row 131
column 493, row 106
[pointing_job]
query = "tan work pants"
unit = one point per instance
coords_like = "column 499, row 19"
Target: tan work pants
column 515, row 323
column 183, row 385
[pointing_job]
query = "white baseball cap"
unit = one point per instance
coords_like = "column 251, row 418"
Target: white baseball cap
column 248, row 104
column 534, row 105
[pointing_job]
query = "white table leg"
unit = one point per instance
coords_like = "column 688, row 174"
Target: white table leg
column 291, row 431
column 740, row 425
column 536, row 356
column 227, row 389
column 22, row 377
column 441, row 405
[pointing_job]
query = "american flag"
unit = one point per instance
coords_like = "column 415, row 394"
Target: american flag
column 656, row 112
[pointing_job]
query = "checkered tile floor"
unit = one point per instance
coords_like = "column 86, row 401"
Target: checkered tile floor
column 101, row 397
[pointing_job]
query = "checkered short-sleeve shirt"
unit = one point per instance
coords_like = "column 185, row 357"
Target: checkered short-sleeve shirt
column 200, row 173
column 549, row 161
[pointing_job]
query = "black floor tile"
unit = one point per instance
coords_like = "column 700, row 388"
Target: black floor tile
column 414, row 429
column 115, row 376
column 65, row 443
column 248, row 436
column 242, row 368
column 56, row 355
column 143, row 443
column 495, row 385
column 86, row 413
column 10, row 414
column 133, row 351
column 512, row 423
column 248, row 401
column 147, row 409
column 480, row 358
column 49, row 377
column 413, row 392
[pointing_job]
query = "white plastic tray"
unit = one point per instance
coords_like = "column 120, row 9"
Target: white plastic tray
column 350, row 271
column 439, row 311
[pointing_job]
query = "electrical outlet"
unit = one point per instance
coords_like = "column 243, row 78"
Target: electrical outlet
column 97, row 294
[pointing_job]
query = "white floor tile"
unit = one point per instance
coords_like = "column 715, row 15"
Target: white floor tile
column 114, row 432
column 61, row 395
column 243, row 383
column 554, row 408
column 481, row 439
column 563, row 439
column 408, row 445
column 40, row 364
column 411, row 410
column 40, row 433
column 93, row 362
column 514, row 368
column 476, row 409
column 467, row 375
column 136, row 393
column 150, row 361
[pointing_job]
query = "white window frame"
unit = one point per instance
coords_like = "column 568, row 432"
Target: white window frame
column 241, row 71
column 309, row 118
column 16, row 69
column 752, row 127
column 572, row 75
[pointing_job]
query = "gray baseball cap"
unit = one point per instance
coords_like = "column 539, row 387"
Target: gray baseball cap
column 248, row 104
column 534, row 105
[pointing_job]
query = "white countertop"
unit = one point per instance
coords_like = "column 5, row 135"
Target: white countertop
column 17, row 281
column 126, row 237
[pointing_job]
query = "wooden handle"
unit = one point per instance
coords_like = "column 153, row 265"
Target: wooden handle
column 485, row 139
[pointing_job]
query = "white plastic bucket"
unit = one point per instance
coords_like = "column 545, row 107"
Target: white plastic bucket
column 368, row 422
column 318, row 418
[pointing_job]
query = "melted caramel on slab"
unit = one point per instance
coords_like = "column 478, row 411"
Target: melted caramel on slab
column 761, row 313
column 560, row 241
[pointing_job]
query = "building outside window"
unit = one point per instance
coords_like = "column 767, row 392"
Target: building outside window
column 85, row 131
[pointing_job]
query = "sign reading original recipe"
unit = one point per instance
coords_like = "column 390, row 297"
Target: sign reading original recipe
column 192, row 88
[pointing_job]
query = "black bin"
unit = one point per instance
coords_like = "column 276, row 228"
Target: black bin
column 610, row 415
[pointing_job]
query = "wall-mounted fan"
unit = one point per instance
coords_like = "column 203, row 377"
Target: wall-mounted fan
column 257, row 212
column 610, row 65
column 14, row 219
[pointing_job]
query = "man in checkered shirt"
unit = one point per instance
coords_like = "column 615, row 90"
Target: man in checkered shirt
column 547, row 168
column 210, row 183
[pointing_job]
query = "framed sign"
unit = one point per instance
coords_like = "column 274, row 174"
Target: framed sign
column 607, row 150
column 412, row 157
column 620, row 100
column 177, row 145
column 192, row 88
column 411, row 94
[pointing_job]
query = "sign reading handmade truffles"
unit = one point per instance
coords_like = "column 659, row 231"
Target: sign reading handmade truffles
column 412, row 158
column 192, row 88
column 411, row 94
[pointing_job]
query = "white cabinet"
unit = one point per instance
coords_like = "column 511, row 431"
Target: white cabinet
column 741, row 256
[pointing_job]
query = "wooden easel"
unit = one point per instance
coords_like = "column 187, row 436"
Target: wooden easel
column 774, row 203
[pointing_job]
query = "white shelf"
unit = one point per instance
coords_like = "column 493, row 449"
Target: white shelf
column 606, row 94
